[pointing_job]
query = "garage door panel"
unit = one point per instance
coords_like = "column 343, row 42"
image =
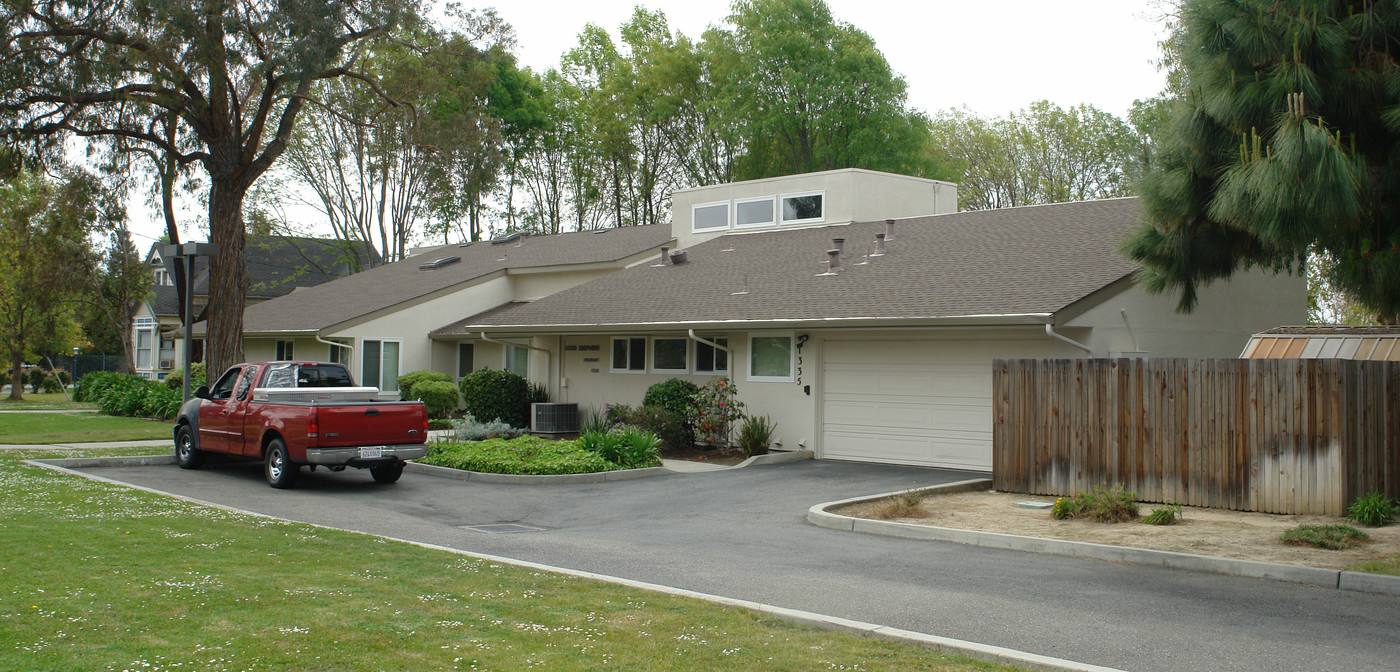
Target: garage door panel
column 910, row 402
column 942, row 413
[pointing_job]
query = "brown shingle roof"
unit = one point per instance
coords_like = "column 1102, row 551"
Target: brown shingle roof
column 1031, row 260
column 385, row 286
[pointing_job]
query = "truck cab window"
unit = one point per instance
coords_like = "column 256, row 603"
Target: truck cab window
column 224, row 388
column 323, row 375
column 280, row 375
column 246, row 383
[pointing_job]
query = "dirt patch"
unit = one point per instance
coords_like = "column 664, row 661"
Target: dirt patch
column 1227, row 534
column 727, row 458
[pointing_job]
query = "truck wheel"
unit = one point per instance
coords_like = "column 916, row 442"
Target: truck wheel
column 281, row 471
column 186, row 454
column 387, row 473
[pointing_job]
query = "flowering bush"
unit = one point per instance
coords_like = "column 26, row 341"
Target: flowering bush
column 715, row 411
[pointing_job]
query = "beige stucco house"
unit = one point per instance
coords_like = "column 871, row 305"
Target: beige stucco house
column 886, row 357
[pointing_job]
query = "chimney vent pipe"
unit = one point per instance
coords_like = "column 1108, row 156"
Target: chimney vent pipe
column 879, row 245
column 889, row 229
column 840, row 245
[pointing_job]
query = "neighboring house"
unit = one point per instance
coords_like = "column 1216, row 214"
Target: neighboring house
column 277, row 266
column 383, row 316
column 1326, row 341
column 887, row 359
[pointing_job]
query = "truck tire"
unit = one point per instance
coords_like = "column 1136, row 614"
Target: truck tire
column 278, row 466
column 387, row 473
column 186, row 454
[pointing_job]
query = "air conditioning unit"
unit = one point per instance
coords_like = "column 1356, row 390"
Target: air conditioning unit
column 554, row 418
column 167, row 363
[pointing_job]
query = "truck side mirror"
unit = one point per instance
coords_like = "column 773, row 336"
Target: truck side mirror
column 201, row 392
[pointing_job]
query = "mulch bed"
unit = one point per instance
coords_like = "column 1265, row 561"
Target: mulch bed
column 701, row 454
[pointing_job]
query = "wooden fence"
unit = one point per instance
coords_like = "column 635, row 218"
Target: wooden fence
column 1276, row 435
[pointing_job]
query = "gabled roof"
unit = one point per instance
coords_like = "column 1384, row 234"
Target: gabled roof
column 1026, row 262
column 1326, row 341
column 392, row 284
column 277, row 265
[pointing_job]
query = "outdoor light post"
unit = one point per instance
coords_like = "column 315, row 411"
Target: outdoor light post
column 75, row 367
column 188, row 252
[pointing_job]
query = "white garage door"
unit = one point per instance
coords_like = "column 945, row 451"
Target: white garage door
column 926, row 403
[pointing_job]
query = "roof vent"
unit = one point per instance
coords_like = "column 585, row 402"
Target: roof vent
column 508, row 238
column 665, row 254
column 879, row 245
column 889, row 229
column 840, row 245
column 833, row 263
column 677, row 257
column 438, row 263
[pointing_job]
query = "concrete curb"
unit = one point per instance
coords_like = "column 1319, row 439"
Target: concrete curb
column 774, row 458
column 558, row 479
column 985, row 652
column 821, row 516
column 91, row 462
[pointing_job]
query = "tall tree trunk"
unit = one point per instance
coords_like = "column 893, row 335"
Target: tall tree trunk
column 228, row 277
column 16, row 375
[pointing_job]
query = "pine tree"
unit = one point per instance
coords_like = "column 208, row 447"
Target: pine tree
column 1283, row 143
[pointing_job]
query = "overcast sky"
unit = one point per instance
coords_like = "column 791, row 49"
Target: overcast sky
column 991, row 57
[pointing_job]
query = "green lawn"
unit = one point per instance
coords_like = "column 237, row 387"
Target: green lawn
column 96, row 576
column 43, row 402
column 78, row 427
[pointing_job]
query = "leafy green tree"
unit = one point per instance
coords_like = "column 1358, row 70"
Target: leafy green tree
column 43, row 259
column 219, row 84
column 111, row 295
column 1042, row 154
column 813, row 94
column 1281, row 144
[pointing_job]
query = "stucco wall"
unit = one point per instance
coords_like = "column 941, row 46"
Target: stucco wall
column 1227, row 314
column 850, row 195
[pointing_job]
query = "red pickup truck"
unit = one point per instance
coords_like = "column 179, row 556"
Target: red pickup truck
column 292, row 413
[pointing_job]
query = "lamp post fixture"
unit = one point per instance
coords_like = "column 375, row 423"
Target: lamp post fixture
column 75, row 367
column 188, row 252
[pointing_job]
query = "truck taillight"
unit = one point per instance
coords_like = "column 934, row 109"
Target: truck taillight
column 425, row 424
column 313, row 428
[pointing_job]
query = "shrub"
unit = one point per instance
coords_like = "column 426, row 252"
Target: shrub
column 673, row 394
column 497, row 395
column 44, row 380
column 714, row 412
column 627, row 447
column 159, row 402
column 409, row 380
column 1333, row 537
column 903, row 505
column 439, row 396
column 595, row 421
column 755, row 434
column 616, row 415
column 1104, row 505
column 176, row 381
column 468, row 428
column 439, row 423
column 93, row 385
column 1373, row 509
column 523, row 455
column 1167, row 515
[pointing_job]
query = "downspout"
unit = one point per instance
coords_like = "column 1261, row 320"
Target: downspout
column 547, row 359
column 1050, row 331
column 333, row 344
column 710, row 343
column 1131, row 336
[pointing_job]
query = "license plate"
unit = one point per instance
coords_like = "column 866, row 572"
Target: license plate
column 372, row 452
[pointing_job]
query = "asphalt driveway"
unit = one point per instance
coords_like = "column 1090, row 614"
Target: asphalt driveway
column 741, row 534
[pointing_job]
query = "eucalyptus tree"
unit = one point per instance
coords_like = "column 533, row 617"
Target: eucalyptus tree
column 1281, row 145
column 218, row 84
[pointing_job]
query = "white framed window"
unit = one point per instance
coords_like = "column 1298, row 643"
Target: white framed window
column 709, row 359
column 379, row 365
column 629, row 355
column 749, row 212
column 709, row 217
column 804, row 208
column 466, row 359
column 167, row 349
column 145, row 344
column 670, row 355
column 771, row 357
column 285, row 351
column 518, row 360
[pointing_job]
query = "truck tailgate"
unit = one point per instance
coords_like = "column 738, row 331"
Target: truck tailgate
column 371, row 424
